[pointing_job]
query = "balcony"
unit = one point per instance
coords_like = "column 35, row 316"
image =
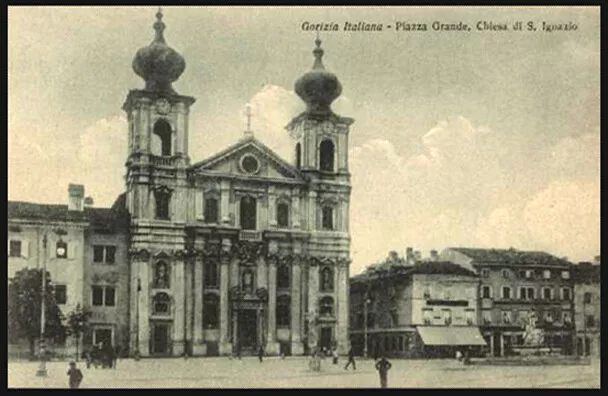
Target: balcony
column 162, row 161
column 250, row 235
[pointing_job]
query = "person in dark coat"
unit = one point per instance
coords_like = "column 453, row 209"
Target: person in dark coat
column 351, row 359
column 115, row 354
column 74, row 376
column 261, row 353
column 383, row 365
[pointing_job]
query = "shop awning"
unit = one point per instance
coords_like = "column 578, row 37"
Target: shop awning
column 432, row 335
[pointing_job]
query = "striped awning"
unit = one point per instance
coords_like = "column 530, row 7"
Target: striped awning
column 440, row 335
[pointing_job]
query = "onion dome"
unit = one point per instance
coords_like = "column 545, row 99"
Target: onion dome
column 318, row 88
column 158, row 64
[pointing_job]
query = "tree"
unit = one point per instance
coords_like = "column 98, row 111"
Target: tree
column 78, row 322
column 24, row 308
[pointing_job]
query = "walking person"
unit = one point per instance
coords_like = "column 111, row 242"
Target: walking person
column 261, row 353
column 74, row 376
column 334, row 353
column 351, row 359
column 383, row 365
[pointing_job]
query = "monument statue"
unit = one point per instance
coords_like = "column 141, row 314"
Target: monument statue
column 533, row 336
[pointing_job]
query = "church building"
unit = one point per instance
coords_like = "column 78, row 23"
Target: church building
column 244, row 249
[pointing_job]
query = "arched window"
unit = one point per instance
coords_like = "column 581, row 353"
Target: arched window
column 283, row 277
column 211, row 210
column 163, row 199
column 283, row 215
column 162, row 304
column 327, row 217
column 298, row 155
column 210, row 274
column 327, row 279
column 326, row 149
column 326, row 306
column 248, row 213
column 162, row 130
column 211, row 307
column 161, row 275
column 247, row 281
column 283, row 311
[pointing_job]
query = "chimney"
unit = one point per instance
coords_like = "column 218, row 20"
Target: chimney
column 88, row 202
column 409, row 255
column 417, row 256
column 434, row 255
column 76, row 196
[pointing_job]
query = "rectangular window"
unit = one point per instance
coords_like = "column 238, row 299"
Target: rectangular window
column 590, row 321
column 529, row 274
column 565, row 294
column 506, row 292
column 14, row 248
column 327, row 220
column 97, row 254
column 61, row 295
column 110, row 254
column 522, row 273
column 211, row 210
column 97, row 296
column 531, row 294
column 547, row 274
column 486, row 292
column 110, row 296
column 210, row 275
column 547, row 293
column 505, row 273
column 485, row 273
column 282, row 215
column 565, row 274
column 587, row 298
column 522, row 293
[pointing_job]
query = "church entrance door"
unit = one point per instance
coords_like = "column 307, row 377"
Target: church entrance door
column 247, row 331
column 161, row 338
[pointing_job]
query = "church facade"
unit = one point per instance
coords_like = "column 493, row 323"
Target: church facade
column 244, row 249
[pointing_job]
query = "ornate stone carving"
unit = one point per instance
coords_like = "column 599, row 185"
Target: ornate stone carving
column 236, row 294
column 139, row 254
column 212, row 250
column 262, row 293
column 249, row 251
column 343, row 262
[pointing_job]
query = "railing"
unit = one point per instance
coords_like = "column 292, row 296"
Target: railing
column 250, row 235
column 161, row 161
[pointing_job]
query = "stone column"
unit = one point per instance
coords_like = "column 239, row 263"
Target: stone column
column 262, row 272
column 272, row 211
column 144, row 309
column 312, row 210
column 492, row 344
column 272, row 346
column 313, row 304
column 295, row 209
column 178, row 287
column 296, row 341
column 342, row 307
column 189, row 322
column 225, row 201
column 199, row 347
column 502, row 344
column 225, row 346
column 134, row 295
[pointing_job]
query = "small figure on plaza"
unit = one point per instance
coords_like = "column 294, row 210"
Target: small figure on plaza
column 459, row 356
column 334, row 354
column 261, row 353
column 351, row 359
column 74, row 376
column 383, row 365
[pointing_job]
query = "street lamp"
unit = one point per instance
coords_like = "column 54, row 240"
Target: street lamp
column 136, row 353
column 42, row 368
column 367, row 301
column 585, row 324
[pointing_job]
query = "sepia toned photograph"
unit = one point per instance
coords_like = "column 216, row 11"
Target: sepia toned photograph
column 303, row 197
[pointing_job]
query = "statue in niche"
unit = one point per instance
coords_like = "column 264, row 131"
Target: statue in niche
column 248, row 281
column 326, row 279
column 161, row 280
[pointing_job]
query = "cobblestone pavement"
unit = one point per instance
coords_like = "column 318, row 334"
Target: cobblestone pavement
column 293, row 372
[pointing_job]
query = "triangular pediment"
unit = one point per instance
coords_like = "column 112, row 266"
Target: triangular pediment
column 248, row 158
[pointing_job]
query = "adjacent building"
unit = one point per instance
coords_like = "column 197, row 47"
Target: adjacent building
column 240, row 250
column 513, row 284
column 408, row 308
column 587, row 310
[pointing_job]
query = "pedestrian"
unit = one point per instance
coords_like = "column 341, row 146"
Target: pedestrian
column 467, row 357
column 75, row 375
column 115, row 354
column 351, row 359
column 334, row 354
column 261, row 353
column 459, row 356
column 383, row 365
column 88, row 357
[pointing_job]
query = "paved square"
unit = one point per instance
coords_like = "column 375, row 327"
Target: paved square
column 293, row 372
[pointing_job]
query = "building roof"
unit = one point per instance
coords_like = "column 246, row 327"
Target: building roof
column 101, row 218
column 511, row 256
column 399, row 268
column 586, row 273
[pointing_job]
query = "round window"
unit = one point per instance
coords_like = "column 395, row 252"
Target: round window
column 250, row 164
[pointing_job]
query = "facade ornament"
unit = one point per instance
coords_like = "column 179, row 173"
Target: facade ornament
column 314, row 262
column 139, row 254
column 262, row 293
column 212, row 250
column 249, row 251
column 236, row 294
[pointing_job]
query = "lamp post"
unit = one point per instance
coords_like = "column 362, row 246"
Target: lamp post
column 584, row 325
column 42, row 368
column 136, row 353
column 367, row 301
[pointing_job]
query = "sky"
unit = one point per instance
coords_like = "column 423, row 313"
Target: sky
column 476, row 139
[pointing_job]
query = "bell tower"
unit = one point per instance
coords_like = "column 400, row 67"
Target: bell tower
column 158, row 131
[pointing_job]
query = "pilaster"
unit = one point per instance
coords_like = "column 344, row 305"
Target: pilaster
column 199, row 347
column 144, row 308
column 296, row 290
column 179, row 311
column 225, row 346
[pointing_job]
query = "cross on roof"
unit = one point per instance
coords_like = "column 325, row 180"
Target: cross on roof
column 248, row 114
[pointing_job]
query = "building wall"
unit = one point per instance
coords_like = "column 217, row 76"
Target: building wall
column 584, row 310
